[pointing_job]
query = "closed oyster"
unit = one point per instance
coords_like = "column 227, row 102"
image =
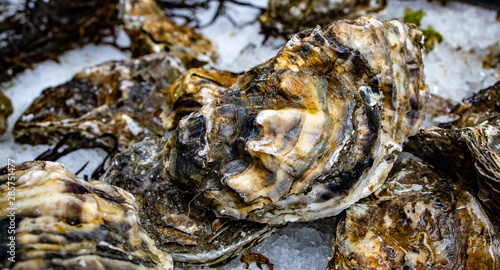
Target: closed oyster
column 194, row 89
column 179, row 221
column 417, row 220
column 285, row 17
column 309, row 132
column 5, row 111
column 151, row 31
column 58, row 221
column 124, row 98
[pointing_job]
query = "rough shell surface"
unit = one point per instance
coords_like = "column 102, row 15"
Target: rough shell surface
column 123, row 98
column 286, row 17
column 179, row 221
column 151, row 31
column 5, row 111
column 62, row 222
column 309, row 132
column 197, row 87
column 417, row 220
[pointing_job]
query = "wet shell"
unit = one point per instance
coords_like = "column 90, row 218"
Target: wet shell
column 309, row 132
column 417, row 220
column 151, row 31
column 5, row 111
column 179, row 221
column 124, row 98
column 62, row 222
column 197, row 87
column 286, row 17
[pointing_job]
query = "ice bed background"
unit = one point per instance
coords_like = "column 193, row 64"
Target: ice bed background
column 453, row 69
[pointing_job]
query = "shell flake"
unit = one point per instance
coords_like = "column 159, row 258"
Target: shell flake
column 309, row 132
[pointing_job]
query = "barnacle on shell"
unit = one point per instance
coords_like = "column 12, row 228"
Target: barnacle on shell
column 419, row 219
column 180, row 222
column 62, row 222
column 309, row 132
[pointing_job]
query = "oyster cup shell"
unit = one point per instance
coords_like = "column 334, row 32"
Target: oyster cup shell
column 180, row 222
column 5, row 111
column 309, row 132
column 417, row 220
column 60, row 221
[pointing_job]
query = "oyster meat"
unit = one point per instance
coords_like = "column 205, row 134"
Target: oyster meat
column 419, row 219
column 286, row 17
column 309, row 132
column 5, row 111
column 58, row 221
column 179, row 221
column 124, row 98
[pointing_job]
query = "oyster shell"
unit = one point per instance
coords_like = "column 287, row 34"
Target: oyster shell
column 5, row 111
column 286, row 17
column 61, row 222
column 309, row 132
column 417, row 220
column 179, row 221
column 151, row 31
column 124, row 98
column 194, row 89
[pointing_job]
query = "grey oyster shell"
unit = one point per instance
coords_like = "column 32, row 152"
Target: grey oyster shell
column 179, row 221
column 468, row 148
column 419, row 219
column 286, row 17
column 62, row 222
column 124, row 98
column 309, row 132
column 5, row 111
column 197, row 87
column 151, row 31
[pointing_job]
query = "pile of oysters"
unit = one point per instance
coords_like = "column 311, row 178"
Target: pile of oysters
column 210, row 162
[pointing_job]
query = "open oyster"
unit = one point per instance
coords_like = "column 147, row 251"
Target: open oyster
column 179, row 221
column 5, row 111
column 286, row 17
column 468, row 148
column 151, row 31
column 58, row 221
column 417, row 220
column 124, row 98
column 194, row 89
column 309, row 132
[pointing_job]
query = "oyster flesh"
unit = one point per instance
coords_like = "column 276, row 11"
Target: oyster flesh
column 286, row 17
column 58, row 221
column 179, row 221
column 309, row 132
column 417, row 220
column 5, row 111
column 124, row 98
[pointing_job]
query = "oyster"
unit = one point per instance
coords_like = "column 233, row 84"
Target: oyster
column 468, row 148
column 151, row 31
column 286, row 17
column 124, row 98
column 194, row 89
column 309, row 132
column 417, row 220
column 58, row 221
column 5, row 111
column 179, row 221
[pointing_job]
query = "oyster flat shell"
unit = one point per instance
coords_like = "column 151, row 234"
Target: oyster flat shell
column 5, row 111
column 309, row 132
column 180, row 222
column 124, row 98
column 417, row 220
column 62, row 222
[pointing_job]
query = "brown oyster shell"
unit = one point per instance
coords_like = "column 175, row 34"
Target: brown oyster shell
column 194, row 89
column 309, row 132
column 179, row 221
column 151, row 31
column 417, row 220
column 62, row 222
column 5, row 111
column 124, row 98
column 286, row 17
